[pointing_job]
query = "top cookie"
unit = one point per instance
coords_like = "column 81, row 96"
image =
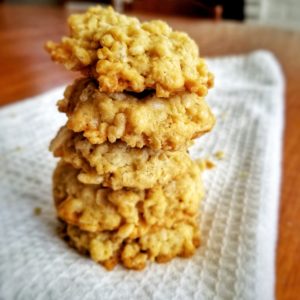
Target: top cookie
column 124, row 54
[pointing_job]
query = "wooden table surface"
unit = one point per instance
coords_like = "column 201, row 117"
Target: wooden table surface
column 26, row 70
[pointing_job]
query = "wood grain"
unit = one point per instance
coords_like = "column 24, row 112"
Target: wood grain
column 26, row 70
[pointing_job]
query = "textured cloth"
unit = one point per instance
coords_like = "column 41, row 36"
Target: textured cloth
column 239, row 213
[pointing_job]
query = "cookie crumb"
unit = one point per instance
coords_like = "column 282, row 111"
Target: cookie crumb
column 209, row 164
column 37, row 211
column 205, row 164
column 219, row 155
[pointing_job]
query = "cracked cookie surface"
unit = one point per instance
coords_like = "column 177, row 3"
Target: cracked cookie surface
column 129, row 226
column 159, row 244
column 94, row 208
column 123, row 53
column 138, row 120
column 116, row 165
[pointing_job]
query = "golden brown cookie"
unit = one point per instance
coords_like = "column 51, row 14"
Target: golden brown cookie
column 124, row 54
column 159, row 244
column 94, row 208
column 116, row 165
column 137, row 120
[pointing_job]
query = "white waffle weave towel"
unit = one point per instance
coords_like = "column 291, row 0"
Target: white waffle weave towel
column 240, row 212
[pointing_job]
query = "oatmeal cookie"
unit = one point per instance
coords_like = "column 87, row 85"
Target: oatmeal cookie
column 167, row 124
column 159, row 244
column 94, row 208
column 116, row 165
column 124, row 54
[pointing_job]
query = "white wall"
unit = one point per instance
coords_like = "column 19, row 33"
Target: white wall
column 282, row 13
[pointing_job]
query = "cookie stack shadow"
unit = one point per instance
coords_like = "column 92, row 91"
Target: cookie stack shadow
column 125, row 186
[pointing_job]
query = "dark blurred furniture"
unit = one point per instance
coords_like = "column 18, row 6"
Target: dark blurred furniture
column 26, row 70
column 215, row 9
column 193, row 8
column 211, row 9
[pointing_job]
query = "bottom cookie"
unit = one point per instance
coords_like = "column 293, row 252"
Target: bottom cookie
column 130, row 226
column 159, row 244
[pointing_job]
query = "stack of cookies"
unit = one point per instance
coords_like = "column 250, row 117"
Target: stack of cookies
column 125, row 187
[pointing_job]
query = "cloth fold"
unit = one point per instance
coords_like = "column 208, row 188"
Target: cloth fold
column 239, row 214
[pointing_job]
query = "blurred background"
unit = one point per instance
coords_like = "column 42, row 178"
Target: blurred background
column 285, row 14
